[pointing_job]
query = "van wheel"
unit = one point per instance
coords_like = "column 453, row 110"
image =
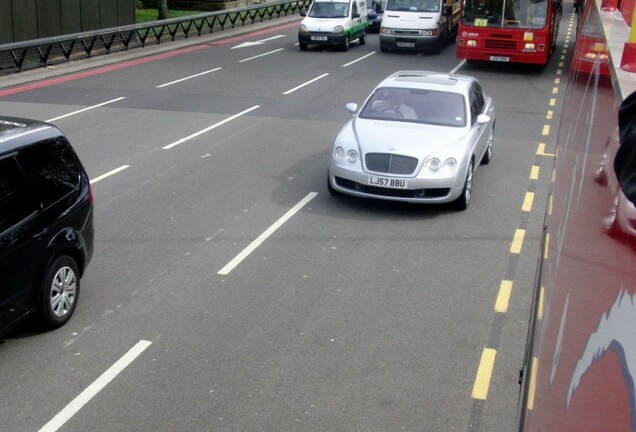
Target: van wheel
column 437, row 49
column 303, row 46
column 345, row 45
column 59, row 292
column 384, row 48
column 453, row 37
column 363, row 38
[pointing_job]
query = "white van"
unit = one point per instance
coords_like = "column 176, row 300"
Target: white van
column 422, row 25
column 333, row 22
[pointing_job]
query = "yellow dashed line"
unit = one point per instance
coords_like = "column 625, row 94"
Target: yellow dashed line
column 503, row 298
column 517, row 241
column 484, row 373
column 549, row 114
column 557, row 81
column 534, row 172
column 546, row 245
column 532, row 386
column 527, row 202
column 540, row 304
column 552, row 102
column 541, row 150
column 555, row 90
column 546, row 130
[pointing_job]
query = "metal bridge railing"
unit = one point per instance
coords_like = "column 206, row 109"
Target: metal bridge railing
column 19, row 56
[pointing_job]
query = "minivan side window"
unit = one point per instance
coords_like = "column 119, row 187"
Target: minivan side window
column 52, row 169
column 15, row 201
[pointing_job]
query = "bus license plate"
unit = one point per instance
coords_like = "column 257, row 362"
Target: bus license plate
column 499, row 58
column 319, row 38
column 388, row 182
column 406, row 44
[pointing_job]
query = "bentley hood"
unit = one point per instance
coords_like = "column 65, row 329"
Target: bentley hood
column 410, row 139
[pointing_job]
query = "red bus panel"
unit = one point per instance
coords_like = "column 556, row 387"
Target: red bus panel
column 579, row 374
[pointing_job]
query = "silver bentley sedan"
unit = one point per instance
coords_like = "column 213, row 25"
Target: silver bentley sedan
column 418, row 138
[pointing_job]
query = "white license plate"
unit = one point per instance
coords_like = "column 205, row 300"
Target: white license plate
column 499, row 58
column 319, row 38
column 406, row 44
column 388, row 182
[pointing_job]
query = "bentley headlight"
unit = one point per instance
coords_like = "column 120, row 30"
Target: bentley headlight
column 433, row 165
column 339, row 153
column 352, row 156
column 450, row 164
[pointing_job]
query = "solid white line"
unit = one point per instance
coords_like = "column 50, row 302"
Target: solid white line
column 361, row 58
column 456, row 68
column 222, row 122
column 85, row 109
column 256, row 243
column 307, row 83
column 188, row 77
column 76, row 404
column 261, row 55
column 109, row 173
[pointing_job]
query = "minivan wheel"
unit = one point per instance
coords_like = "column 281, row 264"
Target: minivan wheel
column 60, row 291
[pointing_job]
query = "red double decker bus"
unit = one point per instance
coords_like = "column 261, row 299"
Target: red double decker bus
column 579, row 372
column 519, row 31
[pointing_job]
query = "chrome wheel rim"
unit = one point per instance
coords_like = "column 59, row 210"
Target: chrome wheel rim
column 63, row 291
column 469, row 184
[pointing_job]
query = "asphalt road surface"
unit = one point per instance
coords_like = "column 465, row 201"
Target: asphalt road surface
column 229, row 291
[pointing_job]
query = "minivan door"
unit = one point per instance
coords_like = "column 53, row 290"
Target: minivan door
column 18, row 229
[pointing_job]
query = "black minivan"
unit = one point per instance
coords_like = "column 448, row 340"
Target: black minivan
column 46, row 223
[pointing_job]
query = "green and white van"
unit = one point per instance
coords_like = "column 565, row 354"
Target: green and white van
column 333, row 22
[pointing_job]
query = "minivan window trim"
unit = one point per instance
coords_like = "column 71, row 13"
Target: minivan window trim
column 19, row 135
